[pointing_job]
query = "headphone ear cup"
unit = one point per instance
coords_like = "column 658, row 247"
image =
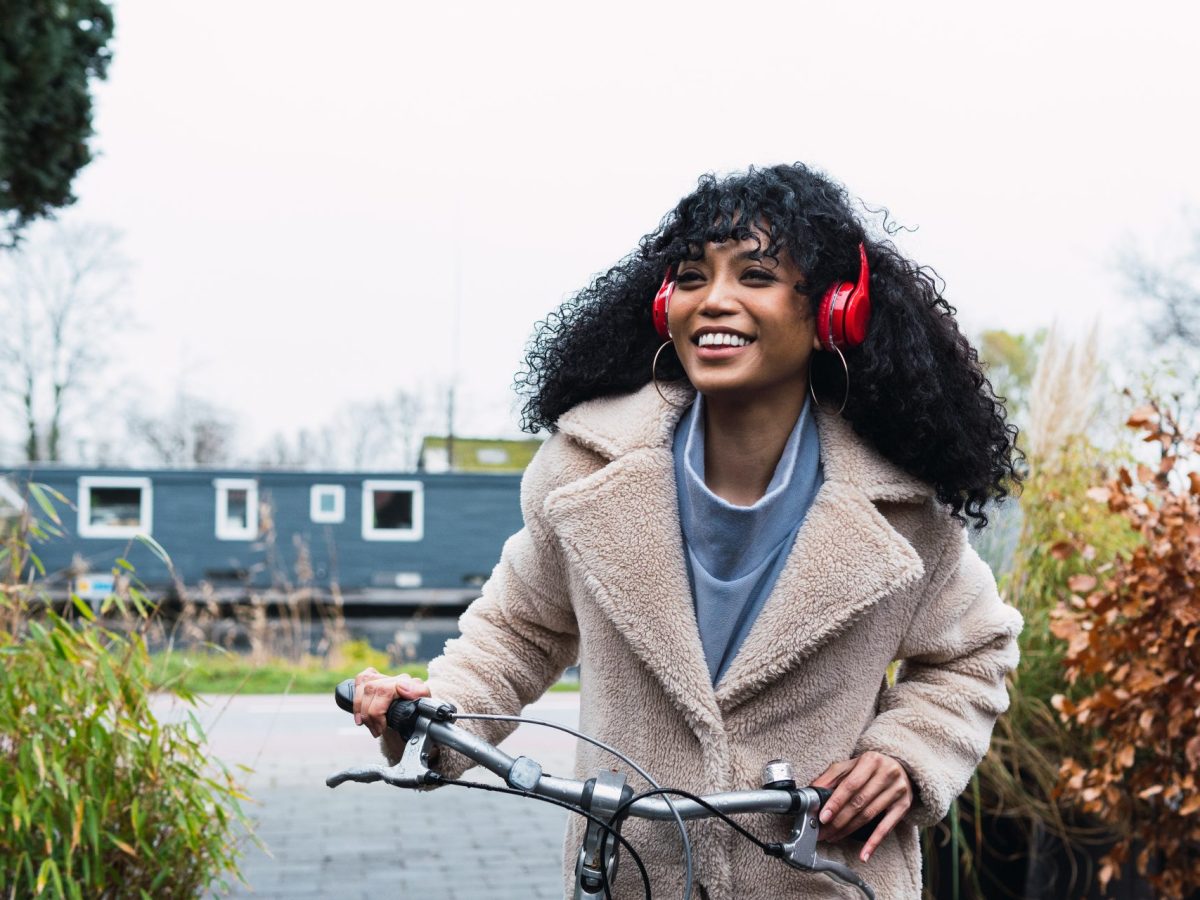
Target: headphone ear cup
column 845, row 309
column 662, row 305
column 831, row 314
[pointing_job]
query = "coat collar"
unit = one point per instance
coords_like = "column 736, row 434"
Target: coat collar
column 615, row 426
column 620, row 526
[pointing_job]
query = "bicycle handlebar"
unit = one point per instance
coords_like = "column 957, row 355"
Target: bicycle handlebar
column 423, row 720
column 402, row 717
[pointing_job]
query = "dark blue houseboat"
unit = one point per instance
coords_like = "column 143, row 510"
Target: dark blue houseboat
column 413, row 539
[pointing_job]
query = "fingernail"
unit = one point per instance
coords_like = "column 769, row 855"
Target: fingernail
column 825, row 816
column 357, row 719
column 865, row 856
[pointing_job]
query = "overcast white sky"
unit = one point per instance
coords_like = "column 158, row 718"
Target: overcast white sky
column 292, row 178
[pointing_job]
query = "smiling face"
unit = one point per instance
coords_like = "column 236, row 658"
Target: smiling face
column 741, row 329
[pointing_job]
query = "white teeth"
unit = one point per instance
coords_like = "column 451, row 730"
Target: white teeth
column 722, row 339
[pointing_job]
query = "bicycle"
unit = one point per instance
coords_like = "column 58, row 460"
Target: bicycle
column 605, row 800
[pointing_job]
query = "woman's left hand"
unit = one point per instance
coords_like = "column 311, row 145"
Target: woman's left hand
column 865, row 788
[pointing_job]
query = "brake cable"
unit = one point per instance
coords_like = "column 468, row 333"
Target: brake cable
column 657, row 788
column 609, row 829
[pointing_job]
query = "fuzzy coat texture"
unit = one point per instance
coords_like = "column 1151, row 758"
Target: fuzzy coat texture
column 879, row 571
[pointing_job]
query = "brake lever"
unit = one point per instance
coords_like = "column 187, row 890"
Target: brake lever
column 800, row 849
column 411, row 771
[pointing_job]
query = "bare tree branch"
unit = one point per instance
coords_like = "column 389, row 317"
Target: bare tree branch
column 192, row 432
column 380, row 434
column 1172, row 287
column 61, row 288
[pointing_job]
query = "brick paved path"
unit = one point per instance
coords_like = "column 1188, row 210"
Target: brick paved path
column 373, row 840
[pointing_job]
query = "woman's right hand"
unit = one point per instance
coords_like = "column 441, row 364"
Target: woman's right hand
column 374, row 692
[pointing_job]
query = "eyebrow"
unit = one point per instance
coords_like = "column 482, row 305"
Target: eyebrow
column 755, row 255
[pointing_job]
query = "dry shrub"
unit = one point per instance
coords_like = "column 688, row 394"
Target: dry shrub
column 1061, row 533
column 1133, row 663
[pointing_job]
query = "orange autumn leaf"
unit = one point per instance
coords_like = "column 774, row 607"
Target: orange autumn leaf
column 1192, row 751
column 1062, row 550
column 1143, row 415
column 1131, row 627
column 1081, row 584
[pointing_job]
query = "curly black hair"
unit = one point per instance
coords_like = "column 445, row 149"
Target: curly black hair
column 917, row 394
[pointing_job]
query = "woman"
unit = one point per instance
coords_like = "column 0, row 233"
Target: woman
column 735, row 545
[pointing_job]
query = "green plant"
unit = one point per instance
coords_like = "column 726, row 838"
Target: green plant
column 223, row 672
column 358, row 655
column 100, row 798
column 1062, row 531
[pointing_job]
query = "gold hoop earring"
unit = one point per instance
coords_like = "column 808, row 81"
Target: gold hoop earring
column 845, row 368
column 654, row 378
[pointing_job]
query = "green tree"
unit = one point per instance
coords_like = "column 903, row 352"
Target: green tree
column 1010, row 360
column 49, row 49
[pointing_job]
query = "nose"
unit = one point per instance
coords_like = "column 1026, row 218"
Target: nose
column 721, row 299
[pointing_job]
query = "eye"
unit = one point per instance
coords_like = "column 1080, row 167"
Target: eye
column 758, row 275
column 689, row 277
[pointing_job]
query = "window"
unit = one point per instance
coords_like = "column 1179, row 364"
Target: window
column 11, row 503
column 327, row 503
column 393, row 510
column 114, row 507
column 237, row 509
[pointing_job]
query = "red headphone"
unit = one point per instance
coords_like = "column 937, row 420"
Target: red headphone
column 842, row 316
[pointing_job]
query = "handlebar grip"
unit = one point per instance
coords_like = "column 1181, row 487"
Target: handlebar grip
column 344, row 695
column 401, row 714
column 863, row 834
column 402, row 717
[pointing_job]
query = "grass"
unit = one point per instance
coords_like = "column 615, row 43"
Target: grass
column 226, row 673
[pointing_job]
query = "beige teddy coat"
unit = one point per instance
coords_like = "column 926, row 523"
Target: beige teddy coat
column 879, row 571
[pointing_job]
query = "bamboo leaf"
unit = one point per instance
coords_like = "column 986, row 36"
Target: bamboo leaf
column 121, row 845
column 39, row 495
column 43, row 876
column 39, row 758
column 37, row 563
column 83, row 608
column 76, row 824
column 156, row 548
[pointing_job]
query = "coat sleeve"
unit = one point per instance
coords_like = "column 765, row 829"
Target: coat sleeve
column 519, row 635
column 937, row 718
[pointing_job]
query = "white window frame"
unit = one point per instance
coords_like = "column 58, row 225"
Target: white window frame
column 371, row 533
column 223, row 486
column 12, row 497
column 339, row 504
column 145, row 512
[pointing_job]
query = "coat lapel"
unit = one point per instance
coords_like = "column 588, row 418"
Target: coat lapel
column 845, row 559
column 621, row 526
